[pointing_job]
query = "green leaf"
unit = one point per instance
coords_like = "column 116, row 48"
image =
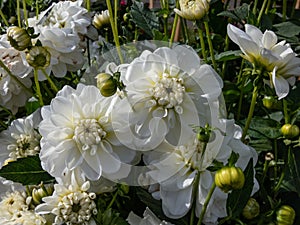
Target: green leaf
column 263, row 127
column 261, row 145
column 31, row 106
column 228, row 55
column 238, row 199
column 287, row 29
column 238, row 14
column 27, row 171
column 144, row 18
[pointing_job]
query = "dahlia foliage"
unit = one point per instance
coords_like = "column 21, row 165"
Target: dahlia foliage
column 113, row 114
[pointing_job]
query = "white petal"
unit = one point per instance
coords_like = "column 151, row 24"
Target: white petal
column 281, row 85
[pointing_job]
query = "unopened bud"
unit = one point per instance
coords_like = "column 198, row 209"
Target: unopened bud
column 193, row 9
column 230, row 178
column 101, row 20
column 38, row 57
column 18, row 38
column 251, row 209
column 106, row 84
column 41, row 192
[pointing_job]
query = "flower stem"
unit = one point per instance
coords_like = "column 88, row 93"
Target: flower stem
column 261, row 11
column 25, row 12
column 3, row 18
column 285, row 111
column 114, row 28
column 37, row 9
column 53, row 86
column 14, row 77
column 250, row 114
column 38, row 90
column 284, row 8
column 255, row 7
column 18, row 13
column 88, row 5
column 200, row 33
column 175, row 23
column 208, row 197
column 210, row 45
column 113, row 200
column 194, row 193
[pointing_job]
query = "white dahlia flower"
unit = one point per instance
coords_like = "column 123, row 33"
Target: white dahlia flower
column 12, row 94
column 71, row 202
column 167, row 91
column 21, row 139
column 182, row 171
column 149, row 219
column 77, row 131
column 262, row 50
column 60, row 28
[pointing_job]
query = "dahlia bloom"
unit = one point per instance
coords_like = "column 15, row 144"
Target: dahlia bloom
column 166, row 92
column 12, row 94
column 20, row 139
column 60, row 27
column 182, row 171
column 193, row 9
column 77, row 132
column 262, row 50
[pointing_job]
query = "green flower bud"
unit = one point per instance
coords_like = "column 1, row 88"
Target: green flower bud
column 41, row 192
column 229, row 178
column 18, row 38
column 101, row 20
column 285, row 215
column 290, row 131
column 38, row 57
column 251, row 209
column 106, row 84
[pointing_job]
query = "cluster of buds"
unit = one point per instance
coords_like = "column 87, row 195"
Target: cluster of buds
column 108, row 84
column 21, row 39
column 40, row 192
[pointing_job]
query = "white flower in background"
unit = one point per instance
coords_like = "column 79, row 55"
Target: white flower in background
column 12, row 94
column 77, row 132
column 166, row 92
column 262, row 50
column 71, row 202
column 60, row 28
column 12, row 204
column 149, row 219
column 26, row 217
column 101, row 20
column 183, row 170
column 193, row 9
column 21, row 139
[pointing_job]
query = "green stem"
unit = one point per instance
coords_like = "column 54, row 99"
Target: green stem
column 88, row 5
column 174, row 27
column 195, row 190
column 185, row 30
column 208, row 197
column 25, row 13
column 37, row 9
column 284, row 8
column 18, row 13
column 250, row 114
column 3, row 18
column 293, row 8
column 285, row 111
column 53, row 86
column 202, row 43
column 113, row 200
column 37, row 85
column 14, row 77
column 261, row 11
column 275, row 158
column 268, row 6
column 210, row 45
column 286, row 159
column 114, row 30
column 225, row 62
column 255, row 7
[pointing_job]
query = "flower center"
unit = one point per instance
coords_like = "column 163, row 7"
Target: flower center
column 88, row 133
column 25, row 145
column 76, row 208
column 168, row 91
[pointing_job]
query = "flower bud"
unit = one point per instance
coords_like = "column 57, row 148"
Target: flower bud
column 229, row 178
column 290, row 131
column 41, row 192
column 193, row 9
column 101, row 20
column 106, row 84
column 38, row 57
column 285, row 215
column 18, row 38
column 251, row 209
